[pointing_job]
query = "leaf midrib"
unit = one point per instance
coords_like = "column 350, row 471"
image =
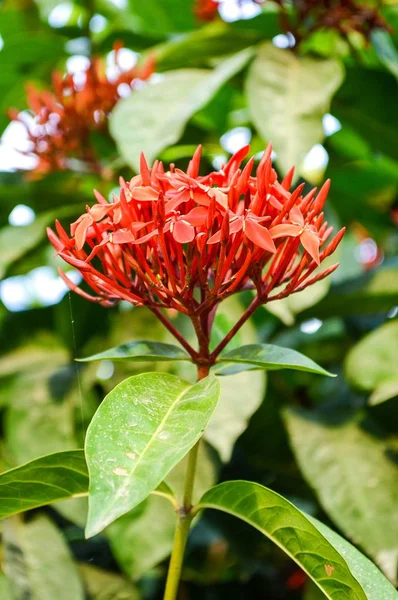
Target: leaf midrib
column 147, row 447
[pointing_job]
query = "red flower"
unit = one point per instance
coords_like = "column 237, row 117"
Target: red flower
column 65, row 117
column 170, row 234
column 296, row 227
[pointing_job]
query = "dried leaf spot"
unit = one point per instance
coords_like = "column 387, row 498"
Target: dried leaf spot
column 120, row 471
column 329, row 570
column 131, row 455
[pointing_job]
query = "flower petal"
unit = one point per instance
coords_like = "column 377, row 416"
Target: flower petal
column 81, row 231
column 259, row 235
column 285, row 229
column 144, row 194
column 311, row 243
column 296, row 215
column 183, row 232
column 197, row 216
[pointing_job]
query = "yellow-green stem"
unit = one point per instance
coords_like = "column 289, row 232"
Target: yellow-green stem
column 184, row 517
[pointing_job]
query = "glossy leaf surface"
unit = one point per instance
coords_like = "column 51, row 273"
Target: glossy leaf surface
column 271, row 358
column 291, row 530
column 141, row 351
column 43, row 481
column 142, row 429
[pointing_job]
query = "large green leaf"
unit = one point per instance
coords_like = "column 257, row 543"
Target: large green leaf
column 141, row 351
column 373, row 582
column 135, row 550
column 42, row 481
column 155, row 116
column 288, row 96
column 38, row 561
column 371, row 365
column 271, row 358
column 291, row 530
column 354, row 478
column 39, row 415
column 144, row 427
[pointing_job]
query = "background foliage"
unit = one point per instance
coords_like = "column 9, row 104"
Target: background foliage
column 329, row 445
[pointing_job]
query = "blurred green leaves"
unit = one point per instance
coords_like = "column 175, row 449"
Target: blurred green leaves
column 352, row 470
column 287, row 97
column 154, row 117
column 371, row 365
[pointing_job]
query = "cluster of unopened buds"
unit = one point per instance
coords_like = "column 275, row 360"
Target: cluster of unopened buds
column 186, row 242
column 65, row 117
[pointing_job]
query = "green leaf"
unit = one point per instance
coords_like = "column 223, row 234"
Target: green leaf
column 141, row 351
column 354, row 478
column 386, row 50
column 371, row 365
column 384, row 391
column 272, row 358
column 155, row 116
column 373, row 582
column 106, row 585
column 215, row 40
column 135, row 550
column 287, row 97
column 37, row 414
column 144, row 427
column 43, row 481
column 38, row 561
column 169, row 16
column 5, row 588
column 291, row 530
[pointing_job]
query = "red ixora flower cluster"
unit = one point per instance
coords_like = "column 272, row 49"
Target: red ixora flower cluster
column 184, row 241
column 66, row 116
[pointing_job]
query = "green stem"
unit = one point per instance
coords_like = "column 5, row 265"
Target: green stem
column 184, row 517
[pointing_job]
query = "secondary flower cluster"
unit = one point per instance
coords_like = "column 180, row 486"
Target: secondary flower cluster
column 184, row 241
column 66, row 116
column 343, row 16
